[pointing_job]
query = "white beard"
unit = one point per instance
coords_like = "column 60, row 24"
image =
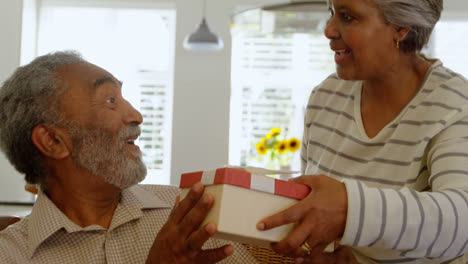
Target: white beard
column 104, row 154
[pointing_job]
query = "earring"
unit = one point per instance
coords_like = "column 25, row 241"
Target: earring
column 398, row 44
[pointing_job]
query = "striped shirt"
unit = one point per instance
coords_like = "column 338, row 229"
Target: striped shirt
column 48, row 236
column 407, row 187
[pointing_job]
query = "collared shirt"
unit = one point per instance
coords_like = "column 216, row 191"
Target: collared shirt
column 48, row 236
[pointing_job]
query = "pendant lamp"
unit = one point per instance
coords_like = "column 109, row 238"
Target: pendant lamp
column 203, row 39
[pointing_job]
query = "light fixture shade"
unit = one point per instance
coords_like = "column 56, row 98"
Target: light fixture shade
column 294, row 16
column 203, row 39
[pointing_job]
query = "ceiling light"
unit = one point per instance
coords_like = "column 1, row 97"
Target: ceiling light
column 203, row 39
column 293, row 16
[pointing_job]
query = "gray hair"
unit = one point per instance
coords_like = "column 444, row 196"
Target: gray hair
column 28, row 98
column 418, row 15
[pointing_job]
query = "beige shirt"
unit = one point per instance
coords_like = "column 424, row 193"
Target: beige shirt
column 48, row 236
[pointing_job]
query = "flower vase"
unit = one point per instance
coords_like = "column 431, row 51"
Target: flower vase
column 284, row 177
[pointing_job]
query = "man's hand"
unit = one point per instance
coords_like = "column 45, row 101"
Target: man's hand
column 342, row 255
column 320, row 217
column 180, row 240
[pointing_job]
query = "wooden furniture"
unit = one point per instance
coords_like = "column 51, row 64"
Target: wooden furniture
column 7, row 220
column 267, row 256
column 31, row 188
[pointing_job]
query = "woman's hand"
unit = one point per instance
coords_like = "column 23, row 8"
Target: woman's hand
column 181, row 239
column 320, row 217
column 342, row 255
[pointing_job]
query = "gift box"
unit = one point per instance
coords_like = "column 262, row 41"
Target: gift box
column 244, row 196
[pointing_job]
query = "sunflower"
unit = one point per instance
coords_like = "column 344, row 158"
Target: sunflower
column 268, row 136
column 282, row 146
column 261, row 148
column 275, row 131
column 294, row 144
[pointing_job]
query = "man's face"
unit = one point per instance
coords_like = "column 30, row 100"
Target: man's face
column 102, row 125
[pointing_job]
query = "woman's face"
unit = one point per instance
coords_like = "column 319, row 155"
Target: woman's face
column 363, row 42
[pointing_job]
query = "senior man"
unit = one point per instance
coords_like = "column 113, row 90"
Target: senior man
column 65, row 125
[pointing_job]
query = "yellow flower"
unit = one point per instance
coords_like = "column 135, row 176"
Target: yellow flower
column 263, row 140
column 261, row 148
column 269, row 136
column 275, row 131
column 294, row 144
column 282, row 146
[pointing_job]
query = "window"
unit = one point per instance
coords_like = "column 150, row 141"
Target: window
column 273, row 72
column 137, row 46
column 449, row 42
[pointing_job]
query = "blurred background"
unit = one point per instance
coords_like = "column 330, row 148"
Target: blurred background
column 202, row 109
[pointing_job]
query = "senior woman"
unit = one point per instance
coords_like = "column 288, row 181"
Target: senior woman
column 385, row 145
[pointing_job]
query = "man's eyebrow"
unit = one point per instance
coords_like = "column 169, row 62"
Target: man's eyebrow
column 105, row 79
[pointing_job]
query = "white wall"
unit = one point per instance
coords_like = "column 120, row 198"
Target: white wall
column 202, row 90
column 456, row 5
column 201, row 94
column 455, row 9
column 10, row 33
column 11, row 183
column 201, row 85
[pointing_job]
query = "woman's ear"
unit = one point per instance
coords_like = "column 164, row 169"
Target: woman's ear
column 50, row 141
column 401, row 33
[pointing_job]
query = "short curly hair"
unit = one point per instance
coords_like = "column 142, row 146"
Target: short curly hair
column 31, row 96
column 420, row 16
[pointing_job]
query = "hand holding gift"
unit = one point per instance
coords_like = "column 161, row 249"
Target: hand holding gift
column 320, row 218
column 182, row 237
column 244, row 196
